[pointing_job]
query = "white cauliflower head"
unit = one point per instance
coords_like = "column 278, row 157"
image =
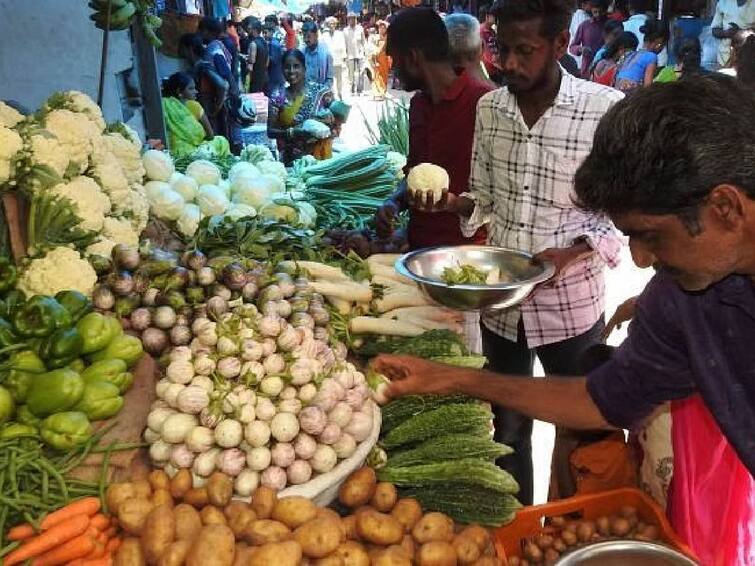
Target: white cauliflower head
column 79, row 103
column 135, row 208
column 427, row 178
column 88, row 200
column 120, row 231
column 103, row 247
column 76, row 133
column 46, row 150
column 62, row 268
column 9, row 116
column 10, row 144
column 108, row 171
column 127, row 154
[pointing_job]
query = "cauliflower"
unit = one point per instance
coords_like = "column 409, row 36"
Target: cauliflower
column 135, row 208
column 166, row 204
column 427, row 178
column 184, row 185
column 108, row 171
column 127, row 154
column 188, row 222
column 158, row 164
column 9, row 117
column 62, row 268
column 120, row 231
column 102, row 247
column 10, row 144
column 254, row 191
column 275, row 168
column 255, row 154
column 81, row 103
column 212, row 200
column 204, row 172
column 242, row 168
column 46, row 150
column 77, row 135
column 89, row 202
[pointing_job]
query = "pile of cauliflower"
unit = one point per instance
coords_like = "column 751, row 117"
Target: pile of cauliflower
column 201, row 191
column 66, row 149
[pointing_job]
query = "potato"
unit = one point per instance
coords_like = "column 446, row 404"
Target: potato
column 603, row 526
column 627, row 512
column 620, row 526
column 327, row 513
column 551, row 556
column 358, row 488
column 466, row 548
column 385, row 497
column 410, row 548
column 648, row 533
column 294, row 511
column 175, row 554
column 197, row 497
column 332, row 560
column 263, row 502
column 142, row 489
column 243, row 554
column 265, row 531
column 219, row 489
column 188, row 522
column 436, row 553
column 493, row 561
column 478, row 534
column 407, row 511
column 132, row 513
column 162, row 497
column 181, row 483
column 559, row 545
column 353, row 554
column 158, row 532
column 434, row 527
column 211, row 515
column 585, row 530
column 379, row 528
column 158, row 479
column 558, row 522
column 318, row 538
column 214, row 546
column 569, row 538
column 116, row 494
column 544, row 540
column 392, row 556
column 350, row 527
column 532, row 552
column 286, row 553
column 239, row 515
column 130, row 553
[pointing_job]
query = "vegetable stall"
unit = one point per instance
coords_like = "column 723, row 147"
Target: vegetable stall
column 185, row 364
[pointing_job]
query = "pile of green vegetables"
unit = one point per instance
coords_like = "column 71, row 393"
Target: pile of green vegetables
column 392, row 127
column 444, row 346
column 62, row 366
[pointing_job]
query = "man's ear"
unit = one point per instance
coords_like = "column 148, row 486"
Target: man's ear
column 729, row 205
column 561, row 43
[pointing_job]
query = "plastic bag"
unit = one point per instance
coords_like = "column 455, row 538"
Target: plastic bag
column 712, row 495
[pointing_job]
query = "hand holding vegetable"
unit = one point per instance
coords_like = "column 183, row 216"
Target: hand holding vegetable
column 385, row 217
column 411, row 376
column 562, row 258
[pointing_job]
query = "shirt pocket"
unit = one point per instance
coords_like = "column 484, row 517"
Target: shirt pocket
column 559, row 173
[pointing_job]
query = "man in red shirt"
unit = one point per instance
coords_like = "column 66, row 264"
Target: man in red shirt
column 489, row 44
column 441, row 122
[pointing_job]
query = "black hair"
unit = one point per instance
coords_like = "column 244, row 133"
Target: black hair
column 308, row 27
column 483, row 12
column 211, row 25
column 612, row 25
column 294, row 53
column 654, row 29
column 745, row 61
column 192, row 42
column 272, row 19
column 176, row 83
column 255, row 25
column 421, row 29
column 555, row 14
column 600, row 4
column 663, row 149
column 689, row 53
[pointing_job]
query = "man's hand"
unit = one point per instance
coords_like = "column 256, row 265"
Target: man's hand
column 562, row 258
column 415, row 376
column 425, row 201
column 385, row 217
column 624, row 313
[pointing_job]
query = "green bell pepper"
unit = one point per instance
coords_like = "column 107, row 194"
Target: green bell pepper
column 8, row 274
column 20, row 371
column 24, row 416
column 40, row 316
column 12, row 300
column 64, row 431
column 75, row 302
column 7, row 406
column 61, row 347
column 123, row 347
column 8, row 336
column 55, row 391
column 78, row 365
column 97, row 331
column 100, row 401
column 17, row 430
column 111, row 371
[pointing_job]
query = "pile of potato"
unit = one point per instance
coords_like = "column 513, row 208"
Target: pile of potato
column 562, row 534
column 168, row 523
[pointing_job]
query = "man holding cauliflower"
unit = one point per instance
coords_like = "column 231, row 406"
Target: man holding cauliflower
column 530, row 137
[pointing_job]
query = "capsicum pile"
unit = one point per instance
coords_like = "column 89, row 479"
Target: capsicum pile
column 62, row 365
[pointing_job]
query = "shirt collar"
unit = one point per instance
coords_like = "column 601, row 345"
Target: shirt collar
column 454, row 91
column 564, row 97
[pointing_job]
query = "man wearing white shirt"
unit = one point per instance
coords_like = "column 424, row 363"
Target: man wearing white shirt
column 580, row 15
column 336, row 42
column 730, row 16
column 354, row 36
column 637, row 19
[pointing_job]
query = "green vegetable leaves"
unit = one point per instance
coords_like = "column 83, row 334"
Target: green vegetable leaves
column 463, row 275
column 53, row 223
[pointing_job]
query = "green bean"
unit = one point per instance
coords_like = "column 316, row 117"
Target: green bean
column 9, row 547
column 103, row 478
column 56, row 475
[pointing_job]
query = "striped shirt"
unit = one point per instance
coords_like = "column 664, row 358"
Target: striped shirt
column 522, row 184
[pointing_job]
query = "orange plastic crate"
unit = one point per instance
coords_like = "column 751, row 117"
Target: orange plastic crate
column 530, row 521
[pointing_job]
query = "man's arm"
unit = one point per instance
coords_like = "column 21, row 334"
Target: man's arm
column 329, row 70
column 576, row 45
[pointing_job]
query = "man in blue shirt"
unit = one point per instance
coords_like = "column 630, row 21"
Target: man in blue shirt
column 675, row 174
column 317, row 56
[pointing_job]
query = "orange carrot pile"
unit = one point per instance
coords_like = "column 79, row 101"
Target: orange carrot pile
column 76, row 534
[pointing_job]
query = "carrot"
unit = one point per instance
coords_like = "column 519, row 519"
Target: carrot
column 97, row 551
column 77, row 547
column 85, row 506
column 100, row 522
column 112, row 531
column 49, row 539
column 113, row 545
column 104, row 561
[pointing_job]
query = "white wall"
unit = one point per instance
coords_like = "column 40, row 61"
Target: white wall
column 49, row 45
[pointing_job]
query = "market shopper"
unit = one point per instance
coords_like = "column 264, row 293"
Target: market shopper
column 381, row 62
column 582, row 14
column 465, row 45
column 336, row 42
column 637, row 69
column 589, row 37
column 317, row 55
column 690, row 212
column 275, row 80
column 289, row 107
column 355, row 52
column 728, row 18
column 604, row 71
column 530, row 137
column 257, row 57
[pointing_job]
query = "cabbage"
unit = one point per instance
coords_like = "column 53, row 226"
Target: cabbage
column 184, row 185
column 167, row 204
column 212, row 200
column 189, row 220
column 152, row 188
column 255, row 154
column 273, row 168
column 238, row 210
column 316, row 129
column 254, row 191
column 280, row 212
column 204, row 172
column 242, row 168
column 225, row 186
column 307, row 214
column 158, row 165
column 277, row 184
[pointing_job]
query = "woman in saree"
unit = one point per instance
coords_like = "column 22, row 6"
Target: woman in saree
column 187, row 124
column 290, row 107
column 381, row 63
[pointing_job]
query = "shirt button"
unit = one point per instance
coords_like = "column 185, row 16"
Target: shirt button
column 521, row 224
column 526, row 187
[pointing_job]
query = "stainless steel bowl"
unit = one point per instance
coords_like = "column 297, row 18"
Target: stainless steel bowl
column 625, row 553
column 426, row 266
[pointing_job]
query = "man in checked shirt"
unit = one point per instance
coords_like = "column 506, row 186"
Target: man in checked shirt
column 530, row 138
